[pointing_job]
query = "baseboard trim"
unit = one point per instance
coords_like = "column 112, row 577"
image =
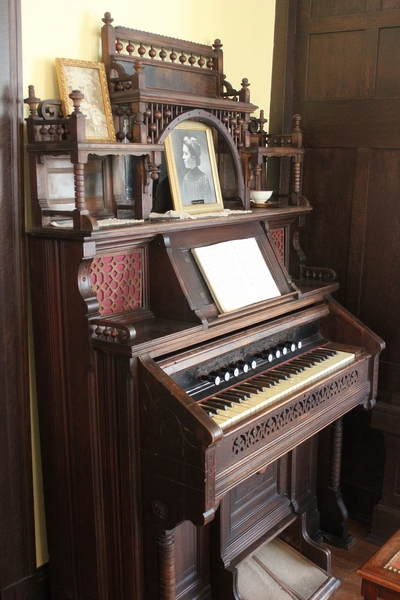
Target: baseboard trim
column 34, row 587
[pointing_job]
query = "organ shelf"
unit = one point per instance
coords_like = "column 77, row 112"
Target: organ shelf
column 179, row 439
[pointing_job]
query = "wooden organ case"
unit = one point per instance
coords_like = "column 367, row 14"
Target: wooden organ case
column 149, row 492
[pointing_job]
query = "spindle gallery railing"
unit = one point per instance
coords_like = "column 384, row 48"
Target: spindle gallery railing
column 46, row 122
column 133, row 43
column 122, row 46
column 157, row 116
column 154, row 78
column 287, row 140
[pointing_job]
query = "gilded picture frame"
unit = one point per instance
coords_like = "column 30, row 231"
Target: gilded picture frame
column 90, row 78
column 192, row 168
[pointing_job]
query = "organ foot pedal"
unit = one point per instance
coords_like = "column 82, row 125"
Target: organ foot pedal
column 276, row 570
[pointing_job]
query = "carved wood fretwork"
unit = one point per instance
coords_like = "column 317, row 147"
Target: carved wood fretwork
column 283, row 418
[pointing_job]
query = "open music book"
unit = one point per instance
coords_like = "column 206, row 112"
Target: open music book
column 236, row 273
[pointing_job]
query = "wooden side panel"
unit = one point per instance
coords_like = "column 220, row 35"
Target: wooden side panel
column 192, row 562
column 254, row 507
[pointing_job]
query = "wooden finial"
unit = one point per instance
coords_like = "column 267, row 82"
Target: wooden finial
column 244, row 94
column 107, row 18
column 296, row 122
column 262, row 120
column 138, row 65
column 32, row 101
column 77, row 97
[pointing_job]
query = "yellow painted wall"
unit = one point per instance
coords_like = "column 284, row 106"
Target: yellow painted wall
column 72, row 30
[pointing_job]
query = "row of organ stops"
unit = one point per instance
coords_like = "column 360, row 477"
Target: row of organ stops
column 224, row 374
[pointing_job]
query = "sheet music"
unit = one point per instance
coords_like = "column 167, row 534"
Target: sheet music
column 236, row 273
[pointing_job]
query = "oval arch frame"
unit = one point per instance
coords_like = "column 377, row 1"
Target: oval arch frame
column 213, row 121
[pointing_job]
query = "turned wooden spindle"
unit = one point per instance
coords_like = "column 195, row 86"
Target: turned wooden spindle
column 297, row 133
column 79, row 180
column 336, row 454
column 296, row 176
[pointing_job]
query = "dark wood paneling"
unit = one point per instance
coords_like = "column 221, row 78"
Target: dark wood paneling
column 380, row 287
column 18, row 575
column 325, row 81
column 332, row 203
column 338, row 70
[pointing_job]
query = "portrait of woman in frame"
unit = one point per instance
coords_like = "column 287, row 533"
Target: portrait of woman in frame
column 90, row 79
column 192, row 168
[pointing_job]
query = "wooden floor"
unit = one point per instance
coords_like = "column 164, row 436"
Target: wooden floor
column 346, row 562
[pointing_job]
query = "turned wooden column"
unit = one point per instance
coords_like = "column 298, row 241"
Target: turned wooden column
column 166, row 565
column 333, row 512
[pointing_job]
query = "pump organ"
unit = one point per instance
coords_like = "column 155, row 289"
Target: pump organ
column 176, row 438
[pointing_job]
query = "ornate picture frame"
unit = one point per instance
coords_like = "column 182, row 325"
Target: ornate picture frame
column 192, row 168
column 90, row 78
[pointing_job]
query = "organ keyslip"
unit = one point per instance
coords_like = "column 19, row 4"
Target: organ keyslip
column 177, row 439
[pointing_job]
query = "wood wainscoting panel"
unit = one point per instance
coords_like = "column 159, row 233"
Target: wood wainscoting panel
column 342, row 76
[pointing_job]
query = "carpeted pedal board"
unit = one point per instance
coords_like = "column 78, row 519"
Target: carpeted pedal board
column 275, row 571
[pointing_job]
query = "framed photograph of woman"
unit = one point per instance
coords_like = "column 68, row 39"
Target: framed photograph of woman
column 90, row 79
column 192, row 168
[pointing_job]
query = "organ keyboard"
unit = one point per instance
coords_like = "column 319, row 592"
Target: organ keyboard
column 253, row 395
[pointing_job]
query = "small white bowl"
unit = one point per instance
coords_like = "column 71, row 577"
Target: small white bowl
column 260, row 196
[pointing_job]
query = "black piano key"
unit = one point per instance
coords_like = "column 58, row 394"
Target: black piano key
column 295, row 368
column 306, row 362
column 325, row 352
column 265, row 382
column 210, row 404
column 210, row 410
column 283, row 373
column 317, row 358
column 268, row 377
column 231, row 398
column 290, row 369
column 252, row 387
column 243, row 394
column 223, row 402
